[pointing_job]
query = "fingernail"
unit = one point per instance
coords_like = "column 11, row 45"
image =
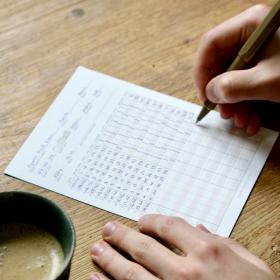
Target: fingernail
column 211, row 92
column 94, row 277
column 97, row 249
column 109, row 228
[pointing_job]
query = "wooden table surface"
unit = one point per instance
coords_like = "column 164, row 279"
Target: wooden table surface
column 149, row 42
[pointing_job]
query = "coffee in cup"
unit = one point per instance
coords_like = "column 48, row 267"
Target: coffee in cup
column 28, row 252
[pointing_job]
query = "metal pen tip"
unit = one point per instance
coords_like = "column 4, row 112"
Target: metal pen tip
column 204, row 111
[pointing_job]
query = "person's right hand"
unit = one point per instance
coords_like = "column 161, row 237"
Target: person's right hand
column 232, row 90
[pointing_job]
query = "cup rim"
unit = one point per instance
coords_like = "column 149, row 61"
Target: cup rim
column 67, row 261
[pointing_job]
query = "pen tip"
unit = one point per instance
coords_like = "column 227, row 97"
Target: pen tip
column 204, row 111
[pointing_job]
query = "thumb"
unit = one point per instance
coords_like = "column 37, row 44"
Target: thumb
column 236, row 86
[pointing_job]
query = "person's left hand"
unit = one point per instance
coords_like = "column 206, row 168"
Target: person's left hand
column 205, row 256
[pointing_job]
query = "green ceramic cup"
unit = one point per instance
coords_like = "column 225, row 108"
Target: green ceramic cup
column 34, row 209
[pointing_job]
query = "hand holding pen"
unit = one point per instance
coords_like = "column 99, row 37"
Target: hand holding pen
column 260, row 80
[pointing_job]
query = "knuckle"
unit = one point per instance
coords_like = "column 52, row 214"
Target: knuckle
column 257, row 12
column 206, row 38
column 130, row 273
column 164, row 225
column 173, row 220
column 187, row 273
column 210, row 249
column 107, row 262
column 260, row 9
column 167, row 224
column 120, row 237
column 139, row 253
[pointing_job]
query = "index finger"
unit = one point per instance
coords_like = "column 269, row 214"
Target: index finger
column 174, row 230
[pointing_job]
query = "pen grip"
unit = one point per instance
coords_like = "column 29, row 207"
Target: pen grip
column 254, row 43
column 209, row 105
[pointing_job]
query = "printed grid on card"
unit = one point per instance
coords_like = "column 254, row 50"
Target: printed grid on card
column 147, row 158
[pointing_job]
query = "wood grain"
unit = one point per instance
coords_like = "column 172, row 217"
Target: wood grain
column 149, row 42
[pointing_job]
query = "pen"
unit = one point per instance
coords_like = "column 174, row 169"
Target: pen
column 253, row 44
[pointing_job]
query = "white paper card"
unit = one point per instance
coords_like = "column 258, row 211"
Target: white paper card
column 130, row 150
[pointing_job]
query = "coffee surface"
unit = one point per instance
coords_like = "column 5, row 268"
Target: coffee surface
column 28, row 252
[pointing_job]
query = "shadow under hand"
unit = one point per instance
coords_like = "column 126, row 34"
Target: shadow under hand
column 270, row 115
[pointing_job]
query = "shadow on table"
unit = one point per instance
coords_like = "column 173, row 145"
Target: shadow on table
column 270, row 114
